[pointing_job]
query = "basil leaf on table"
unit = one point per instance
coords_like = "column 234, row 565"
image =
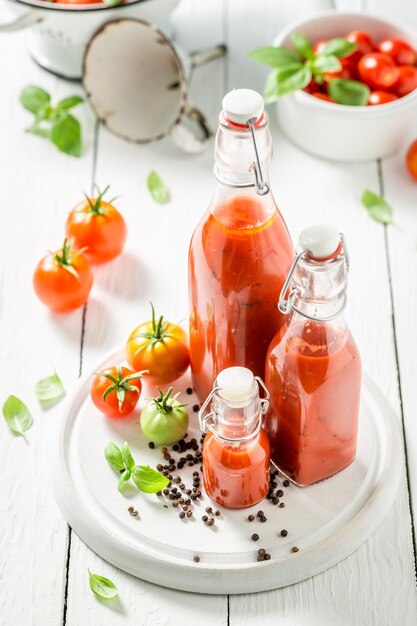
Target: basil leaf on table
column 102, row 587
column 114, row 456
column 338, row 47
column 326, row 64
column 17, row 416
column 350, row 92
column 284, row 80
column 66, row 134
column 148, row 480
column 49, row 391
column 34, row 98
column 377, row 207
column 274, row 56
column 159, row 191
column 128, row 461
column 302, row 45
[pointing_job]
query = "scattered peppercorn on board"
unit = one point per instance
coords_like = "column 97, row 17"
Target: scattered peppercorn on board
column 212, row 549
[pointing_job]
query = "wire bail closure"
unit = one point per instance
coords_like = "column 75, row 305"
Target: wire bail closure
column 208, row 422
column 286, row 306
column 262, row 187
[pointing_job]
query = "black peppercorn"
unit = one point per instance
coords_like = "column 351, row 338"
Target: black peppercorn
column 255, row 537
column 284, row 533
column 286, row 483
column 251, row 518
column 151, row 445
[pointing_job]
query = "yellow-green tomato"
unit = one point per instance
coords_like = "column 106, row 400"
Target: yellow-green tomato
column 164, row 420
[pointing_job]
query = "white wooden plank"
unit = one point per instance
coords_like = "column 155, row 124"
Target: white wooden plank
column 38, row 189
column 153, row 267
column 363, row 588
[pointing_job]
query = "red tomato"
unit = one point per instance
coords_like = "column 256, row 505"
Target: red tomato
column 378, row 70
column 319, row 45
column 411, row 159
column 322, row 96
column 407, row 80
column 362, row 40
column 381, row 97
column 312, row 86
column 345, row 72
column 63, row 279
column 98, row 227
column 115, row 391
column 399, row 50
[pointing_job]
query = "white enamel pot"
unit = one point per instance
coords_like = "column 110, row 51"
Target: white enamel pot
column 58, row 33
column 339, row 132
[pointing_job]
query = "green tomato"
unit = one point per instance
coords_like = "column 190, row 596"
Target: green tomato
column 164, row 420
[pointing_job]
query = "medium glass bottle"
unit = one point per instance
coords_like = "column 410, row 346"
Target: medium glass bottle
column 236, row 453
column 240, row 252
column 313, row 367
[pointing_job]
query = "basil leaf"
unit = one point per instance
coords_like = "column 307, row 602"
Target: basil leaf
column 274, row 56
column 49, row 391
column 102, row 587
column 350, row 92
column 124, row 478
column 66, row 134
column 112, row 3
column 338, row 47
column 128, row 461
column 157, row 187
column 69, row 103
column 286, row 80
column 17, row 416
column 302, row 45
column 326, row 64
column 148, row 480
column 114, row 456
column 34, row 98
column 377, row 207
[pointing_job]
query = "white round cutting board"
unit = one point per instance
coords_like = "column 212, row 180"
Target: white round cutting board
column 326, row 521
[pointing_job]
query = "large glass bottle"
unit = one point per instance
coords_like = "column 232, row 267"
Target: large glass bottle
column 240, row 252
column 236, row 452
column 313, row 367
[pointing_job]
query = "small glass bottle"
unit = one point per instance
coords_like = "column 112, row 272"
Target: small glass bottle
column 313, row 367
column 236, row 452
column 240, row 252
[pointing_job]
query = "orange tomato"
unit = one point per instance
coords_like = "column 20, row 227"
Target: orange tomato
column 63, row 279
column 411, row 159
column 159, row 347
column 98, row 227
column 115, row 391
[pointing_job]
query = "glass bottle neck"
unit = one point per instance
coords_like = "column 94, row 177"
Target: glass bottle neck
column 235, row 153
column 237, row 420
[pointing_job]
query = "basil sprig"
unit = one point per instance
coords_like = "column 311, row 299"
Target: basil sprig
column 53, row 122
column 145, row 478
column 294, row 69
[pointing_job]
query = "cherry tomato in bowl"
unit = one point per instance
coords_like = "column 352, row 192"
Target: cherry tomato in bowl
column 399, row 50
column 97, row 226
column 381, row 97
column 411, row 159
column 116, row 390
column 362, row 40
column 159, row 347
column 407, row 80
column 378, row 70
column 63, row 279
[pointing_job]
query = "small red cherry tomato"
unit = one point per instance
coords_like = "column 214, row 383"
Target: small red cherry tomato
column 115, row 391
column 399, row 50
column 344, row 72
column 312, row 87
column 411, row 159
column 407, row 80
column 362, row 40
column 322, row 96
column 381, row 97
column 378, row 70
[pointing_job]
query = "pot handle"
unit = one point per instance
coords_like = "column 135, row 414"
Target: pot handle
column 192, row 134
column 29, row 18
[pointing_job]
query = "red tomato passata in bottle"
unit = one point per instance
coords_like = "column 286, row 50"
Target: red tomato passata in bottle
column 240, row 252
column 313, row 367
column 236, row 453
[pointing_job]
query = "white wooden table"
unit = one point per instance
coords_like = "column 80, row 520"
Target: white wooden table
column 43, row 565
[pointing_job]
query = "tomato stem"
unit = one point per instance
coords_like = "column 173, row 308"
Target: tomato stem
column 95, row 203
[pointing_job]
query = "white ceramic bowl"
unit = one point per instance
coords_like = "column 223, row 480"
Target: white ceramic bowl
column 340, row 132
column 58, row 33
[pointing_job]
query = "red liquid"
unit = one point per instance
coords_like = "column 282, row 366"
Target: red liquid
column 314, row 376
column 239, row 258
column 236, row 475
